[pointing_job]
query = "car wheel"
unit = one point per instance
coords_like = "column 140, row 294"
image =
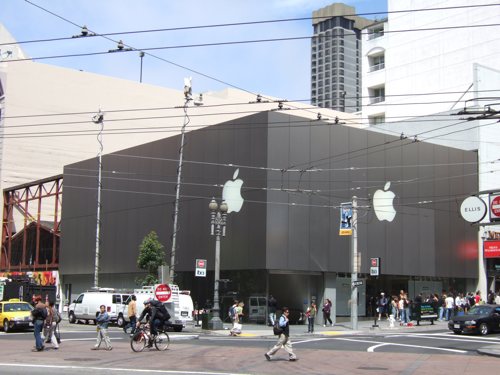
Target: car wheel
column 483, row 329
column 178, row 328
column 457, row 332
column 120, row 322
column 6, row 326
column 71, row 317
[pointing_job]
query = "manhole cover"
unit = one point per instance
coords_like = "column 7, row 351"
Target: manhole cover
column 373, row 368
column 80, row 359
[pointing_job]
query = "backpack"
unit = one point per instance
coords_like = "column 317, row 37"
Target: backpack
column 232, row 312
column 161, row 310
column 277, row 330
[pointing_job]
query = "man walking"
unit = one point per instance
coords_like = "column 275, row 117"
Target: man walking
column 284, row 338
column 102, row 329
column 39, row 315
column 132, row 315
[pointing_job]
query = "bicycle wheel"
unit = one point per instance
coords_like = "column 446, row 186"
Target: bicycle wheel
column 162, row 341
column 138, row 341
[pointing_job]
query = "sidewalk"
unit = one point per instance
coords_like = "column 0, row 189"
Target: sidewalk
column 341, row 327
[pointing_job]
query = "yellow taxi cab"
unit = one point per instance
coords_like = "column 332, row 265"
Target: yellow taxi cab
column 15, row 314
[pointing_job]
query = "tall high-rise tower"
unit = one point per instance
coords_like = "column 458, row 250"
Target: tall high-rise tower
column 336, row 58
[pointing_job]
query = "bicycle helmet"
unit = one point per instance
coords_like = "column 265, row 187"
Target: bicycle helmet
column 148, row 301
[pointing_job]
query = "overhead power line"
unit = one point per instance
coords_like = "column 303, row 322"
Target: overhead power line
column 247, row 23
column 271, row 40
column 119, row 110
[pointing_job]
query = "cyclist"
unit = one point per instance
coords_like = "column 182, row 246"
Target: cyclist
column 156, row 315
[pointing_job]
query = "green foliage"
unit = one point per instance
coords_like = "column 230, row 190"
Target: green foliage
column 151, row 256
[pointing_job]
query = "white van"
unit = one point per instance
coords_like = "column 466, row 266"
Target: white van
column 257, row 307
column 86, row 306
column 179, row 306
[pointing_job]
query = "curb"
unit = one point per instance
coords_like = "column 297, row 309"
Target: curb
column 492, row 351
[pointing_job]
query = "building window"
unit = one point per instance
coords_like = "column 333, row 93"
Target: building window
column 376, row 32
column 378, row 119
column 377, row 94
column 376, row 62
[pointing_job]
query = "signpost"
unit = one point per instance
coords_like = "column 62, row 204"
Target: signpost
column 374, row 266
column 163, row 292
column 201, row 268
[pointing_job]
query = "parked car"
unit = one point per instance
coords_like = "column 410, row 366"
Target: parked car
column 481, row 319
column 15, row 314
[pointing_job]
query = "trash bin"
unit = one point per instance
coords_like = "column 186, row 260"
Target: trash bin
column 205, row 318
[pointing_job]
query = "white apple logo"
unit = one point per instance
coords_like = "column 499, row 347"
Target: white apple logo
column 231, row 193
column 382, row 203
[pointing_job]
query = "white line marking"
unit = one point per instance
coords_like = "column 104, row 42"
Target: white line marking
column 371, row 349
column 129, row 370
column 310, row 340
column 405, row 345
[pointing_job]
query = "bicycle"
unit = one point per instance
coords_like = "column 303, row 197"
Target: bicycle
column 142, row 337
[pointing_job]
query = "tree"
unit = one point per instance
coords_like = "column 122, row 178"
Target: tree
column 151, row 256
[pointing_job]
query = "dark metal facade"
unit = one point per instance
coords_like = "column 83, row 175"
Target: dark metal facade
column 296, row 172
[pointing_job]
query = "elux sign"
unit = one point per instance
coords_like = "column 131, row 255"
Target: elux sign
column 494, row 207
column 473, row 209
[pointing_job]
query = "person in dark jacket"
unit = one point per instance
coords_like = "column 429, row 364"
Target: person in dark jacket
column 39, row 314
column 284, row 338
column 155, row 313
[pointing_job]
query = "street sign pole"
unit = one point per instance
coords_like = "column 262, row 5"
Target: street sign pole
column 354, row 265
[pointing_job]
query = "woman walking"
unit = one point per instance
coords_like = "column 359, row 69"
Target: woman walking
column 327, row 309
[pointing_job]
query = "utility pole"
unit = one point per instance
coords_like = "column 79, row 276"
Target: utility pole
column 354, row 265
column 188, row 98
column 98, row 119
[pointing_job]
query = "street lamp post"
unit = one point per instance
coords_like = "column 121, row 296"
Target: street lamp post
column 218, row 216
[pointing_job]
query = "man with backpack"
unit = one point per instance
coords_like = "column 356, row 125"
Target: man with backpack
column 283, row 330
column 39, row 314
column 157, row 315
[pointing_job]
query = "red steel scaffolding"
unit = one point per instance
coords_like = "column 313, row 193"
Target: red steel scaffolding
column 35, row 246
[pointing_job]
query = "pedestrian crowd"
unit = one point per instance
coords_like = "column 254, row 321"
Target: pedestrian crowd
column 46, row 319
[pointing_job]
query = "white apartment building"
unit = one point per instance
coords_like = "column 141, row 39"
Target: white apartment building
column 424, row 62
column 428, row 75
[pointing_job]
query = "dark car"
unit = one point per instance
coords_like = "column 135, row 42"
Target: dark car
column 481, row 319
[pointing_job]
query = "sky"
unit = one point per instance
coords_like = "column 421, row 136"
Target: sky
column 280, row 69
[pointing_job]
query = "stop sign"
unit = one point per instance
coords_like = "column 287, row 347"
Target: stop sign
column 495, row 207
column 163, row 292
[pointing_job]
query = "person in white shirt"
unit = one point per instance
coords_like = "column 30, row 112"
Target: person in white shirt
column 450, row 304
column 497, row 298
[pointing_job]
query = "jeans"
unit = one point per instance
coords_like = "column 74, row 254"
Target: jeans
column 449, row 313
column 155, row 325
column 131, row 325
column 102, row 334
column 38, row 333
column 402, row 315
column 310, row 324
column 441, row 312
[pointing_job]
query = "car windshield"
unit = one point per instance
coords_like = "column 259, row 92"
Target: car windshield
column 480, row 310
column 13, row 307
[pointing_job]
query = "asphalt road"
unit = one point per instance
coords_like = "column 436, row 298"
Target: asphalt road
column 430, row 352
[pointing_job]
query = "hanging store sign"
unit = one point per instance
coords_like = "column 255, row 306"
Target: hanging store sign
column 494, row 207
column 473, row 209
column 491, row 249
column 345, row 219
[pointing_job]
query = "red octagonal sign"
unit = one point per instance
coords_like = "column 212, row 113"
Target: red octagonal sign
column 163, row 292
column 495, row 207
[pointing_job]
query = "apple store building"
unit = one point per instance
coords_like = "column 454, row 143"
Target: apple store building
column 286, row 179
